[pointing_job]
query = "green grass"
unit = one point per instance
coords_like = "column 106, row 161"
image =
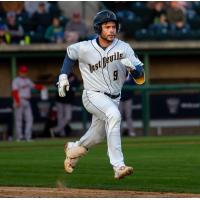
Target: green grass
column 168, row 164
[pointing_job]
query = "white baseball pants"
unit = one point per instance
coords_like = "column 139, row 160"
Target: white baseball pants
column 24, row 112
column 106, row 120
column 64, row 113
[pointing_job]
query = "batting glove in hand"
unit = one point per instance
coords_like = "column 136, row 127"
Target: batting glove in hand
column 63, row 85
column 127, row 63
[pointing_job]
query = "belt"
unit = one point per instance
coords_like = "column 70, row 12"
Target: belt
column 112, row 96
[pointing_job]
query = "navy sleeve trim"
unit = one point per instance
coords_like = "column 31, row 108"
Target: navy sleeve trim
column 67, row 65
column 138, row 72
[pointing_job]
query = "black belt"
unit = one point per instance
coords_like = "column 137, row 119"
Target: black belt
column 112, row 96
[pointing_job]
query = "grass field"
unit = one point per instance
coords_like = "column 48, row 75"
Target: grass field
column 164, row 164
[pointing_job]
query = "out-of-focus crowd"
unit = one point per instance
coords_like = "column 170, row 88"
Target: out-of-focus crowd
column 158, row 20
column 39, row 22
column 43, row 22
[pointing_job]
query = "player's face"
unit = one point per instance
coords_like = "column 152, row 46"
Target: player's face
column 108, row 32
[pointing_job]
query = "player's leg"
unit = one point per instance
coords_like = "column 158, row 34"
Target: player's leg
column 106, row 109
column 60, row 116
column 114, row 144
column 94, row 135
column 67, row 117
column 18, row 122
column 28, row 121
column 121, row 109
column 128, row 116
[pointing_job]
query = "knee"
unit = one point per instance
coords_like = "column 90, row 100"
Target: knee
column 114, row 115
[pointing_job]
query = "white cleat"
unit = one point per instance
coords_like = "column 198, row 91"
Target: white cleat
column 73, row 154
column 132, row 134
column 68, row 161
column 122, row 172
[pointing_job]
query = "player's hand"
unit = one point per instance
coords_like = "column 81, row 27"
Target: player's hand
column 16, row 104
column 127, row 63
column 63, row 85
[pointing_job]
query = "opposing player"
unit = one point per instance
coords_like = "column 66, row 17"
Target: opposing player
column 103, row 63
column 21, row 91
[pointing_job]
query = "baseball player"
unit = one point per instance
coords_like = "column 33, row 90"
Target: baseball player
column 125, row 106
column 103, row 63
column 21, row 91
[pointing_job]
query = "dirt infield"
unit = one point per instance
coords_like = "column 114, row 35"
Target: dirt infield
column 29, row 192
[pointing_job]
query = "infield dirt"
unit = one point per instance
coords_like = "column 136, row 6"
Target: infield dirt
column 28, row 192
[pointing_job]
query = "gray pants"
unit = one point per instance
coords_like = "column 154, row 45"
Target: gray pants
column 24, row 112
column 126, row 108
column 64, row 115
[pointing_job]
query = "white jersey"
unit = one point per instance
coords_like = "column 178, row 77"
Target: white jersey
column 23, row 85
column 101, row 69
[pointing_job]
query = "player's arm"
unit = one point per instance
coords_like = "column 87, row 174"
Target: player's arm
column 136, row 72
column 133, row 65
column 63, row 82
column 70, row 59
column 15, row 93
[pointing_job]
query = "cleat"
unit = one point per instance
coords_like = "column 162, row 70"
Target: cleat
column 122, row 172
column 73, row 154
column 52, row 133
column 68, row 161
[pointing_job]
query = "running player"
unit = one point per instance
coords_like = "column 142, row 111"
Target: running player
column 103, row 64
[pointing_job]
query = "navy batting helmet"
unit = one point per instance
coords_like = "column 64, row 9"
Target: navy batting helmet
column 102, row 17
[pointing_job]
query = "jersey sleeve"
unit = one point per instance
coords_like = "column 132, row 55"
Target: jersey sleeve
column 73, row 51
column 129, row 53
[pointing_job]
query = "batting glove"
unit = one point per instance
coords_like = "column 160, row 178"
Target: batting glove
column 127, row 63
column 63, row 85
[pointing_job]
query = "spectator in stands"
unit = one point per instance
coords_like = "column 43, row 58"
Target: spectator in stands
column 32, row 6
column 55, row 32
column 15, row 31
column 158, row 10
column 125, row 107
column 41, row 19
column 64, row 108
column 180, row 30
column 160, row 24
column 2, row 33
column 54, row 8
column 22, row 16
column 175, row 12
column 176, row 17
column 76, row 29
column 2, row 12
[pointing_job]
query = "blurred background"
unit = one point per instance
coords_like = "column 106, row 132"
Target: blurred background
column 164, row 35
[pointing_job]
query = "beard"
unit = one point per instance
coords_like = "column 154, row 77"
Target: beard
column 108, row 38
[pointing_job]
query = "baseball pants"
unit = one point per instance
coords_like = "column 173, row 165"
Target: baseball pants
column 24, row 112
column 125, row 106
column 106, row 120
column 64, row 116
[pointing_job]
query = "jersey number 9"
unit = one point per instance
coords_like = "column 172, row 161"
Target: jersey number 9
column 115, row 75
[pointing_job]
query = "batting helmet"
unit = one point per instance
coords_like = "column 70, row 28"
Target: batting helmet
column 23, row 69
column 102, row 17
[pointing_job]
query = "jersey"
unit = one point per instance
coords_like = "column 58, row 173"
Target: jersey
column 23, row 86
column 101, row 69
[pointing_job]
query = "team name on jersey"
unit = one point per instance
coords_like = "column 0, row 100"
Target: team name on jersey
column 105, row 60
